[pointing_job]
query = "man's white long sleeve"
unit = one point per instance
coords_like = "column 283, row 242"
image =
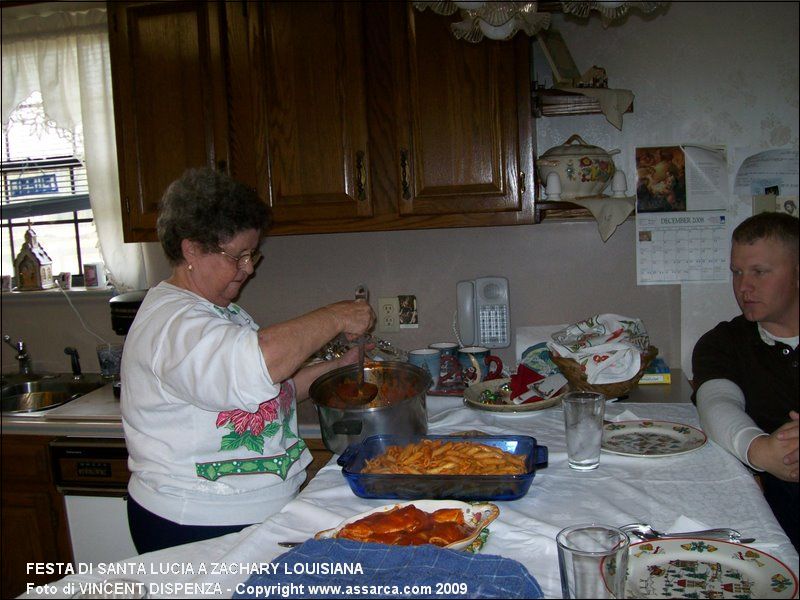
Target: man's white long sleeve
column 721, row 406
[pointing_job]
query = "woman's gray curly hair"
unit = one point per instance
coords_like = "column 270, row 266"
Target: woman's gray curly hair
column 207, row 207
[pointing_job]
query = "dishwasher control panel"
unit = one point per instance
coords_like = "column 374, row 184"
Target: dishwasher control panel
column 89, row 466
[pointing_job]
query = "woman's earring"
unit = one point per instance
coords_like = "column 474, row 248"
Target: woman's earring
column 189, row 267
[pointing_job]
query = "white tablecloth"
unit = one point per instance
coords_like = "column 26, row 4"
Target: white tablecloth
column 707, row 485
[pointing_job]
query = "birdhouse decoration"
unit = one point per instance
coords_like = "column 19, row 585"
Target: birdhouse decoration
column 33, row 266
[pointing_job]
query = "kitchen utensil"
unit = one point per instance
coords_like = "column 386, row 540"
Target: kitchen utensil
column 645, row 532
column 583, row 169
column 358, row 392
column 398, row 408
column 455, row 487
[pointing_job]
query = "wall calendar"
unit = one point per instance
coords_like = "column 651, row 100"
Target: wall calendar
column 676, row 247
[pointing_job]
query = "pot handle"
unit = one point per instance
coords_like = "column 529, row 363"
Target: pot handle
column 540, row 457
column 575, row 138
column 614, row 151
column 347, row 427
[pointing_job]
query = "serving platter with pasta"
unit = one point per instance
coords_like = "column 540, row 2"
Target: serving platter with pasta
column 446, row 523
column 443, row 467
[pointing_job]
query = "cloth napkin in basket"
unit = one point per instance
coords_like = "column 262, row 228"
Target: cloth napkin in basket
column 608, row 347
column 486, row 576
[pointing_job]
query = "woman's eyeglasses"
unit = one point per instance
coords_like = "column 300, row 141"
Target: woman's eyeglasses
column 244, row 259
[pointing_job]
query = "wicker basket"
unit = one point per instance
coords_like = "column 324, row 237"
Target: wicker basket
column 577, row 378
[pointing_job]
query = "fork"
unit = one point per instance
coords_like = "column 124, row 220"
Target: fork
column 645, row 532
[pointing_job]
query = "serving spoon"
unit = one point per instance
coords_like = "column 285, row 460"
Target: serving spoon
column 645, row 532
column 359, row 392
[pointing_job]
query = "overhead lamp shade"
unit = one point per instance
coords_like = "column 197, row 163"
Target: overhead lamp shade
column 469, row 5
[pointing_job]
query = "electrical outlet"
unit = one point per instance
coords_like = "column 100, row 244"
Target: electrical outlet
column 388, row 314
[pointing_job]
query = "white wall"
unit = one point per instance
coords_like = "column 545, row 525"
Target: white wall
column 702, row 72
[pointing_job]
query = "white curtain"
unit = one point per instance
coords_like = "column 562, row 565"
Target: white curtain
column 52, row 53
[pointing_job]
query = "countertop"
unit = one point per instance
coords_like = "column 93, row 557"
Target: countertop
column 97, row 414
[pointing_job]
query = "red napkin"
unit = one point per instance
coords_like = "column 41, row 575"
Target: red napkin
column 522, row 379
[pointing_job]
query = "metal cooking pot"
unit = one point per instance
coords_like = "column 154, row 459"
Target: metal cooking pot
column 584, row 170
column 398, row 408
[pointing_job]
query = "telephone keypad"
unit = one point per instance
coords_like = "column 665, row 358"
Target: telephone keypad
column 494, row 325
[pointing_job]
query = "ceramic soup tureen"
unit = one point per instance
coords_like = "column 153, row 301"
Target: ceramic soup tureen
column 584, row 170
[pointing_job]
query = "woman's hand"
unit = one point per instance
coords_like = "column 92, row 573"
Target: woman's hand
column 353, row 317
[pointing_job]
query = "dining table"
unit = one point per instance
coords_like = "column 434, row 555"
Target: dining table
column 705, row 486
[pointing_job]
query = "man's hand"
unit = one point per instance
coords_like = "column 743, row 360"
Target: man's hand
column 778, row 453
column 789, row 433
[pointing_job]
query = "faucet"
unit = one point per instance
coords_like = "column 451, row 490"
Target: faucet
column 75, row 362
column 25, row 367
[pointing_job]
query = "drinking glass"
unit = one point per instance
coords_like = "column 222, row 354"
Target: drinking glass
column 593, row 561
column 583, row 424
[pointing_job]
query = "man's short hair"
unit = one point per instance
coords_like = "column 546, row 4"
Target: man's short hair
column 768, row 225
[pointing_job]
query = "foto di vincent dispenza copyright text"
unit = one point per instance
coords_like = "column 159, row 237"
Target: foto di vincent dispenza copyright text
column 120, row 579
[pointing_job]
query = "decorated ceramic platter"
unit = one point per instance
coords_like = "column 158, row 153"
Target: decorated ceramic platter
column 704, row 568
column 378, row 525
column 495, row 396
column 647, row 438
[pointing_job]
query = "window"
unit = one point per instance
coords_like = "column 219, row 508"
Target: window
column 44, row 183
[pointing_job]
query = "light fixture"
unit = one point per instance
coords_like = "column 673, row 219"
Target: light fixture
column 502, row 20
column 494, row 20
column 610, row 10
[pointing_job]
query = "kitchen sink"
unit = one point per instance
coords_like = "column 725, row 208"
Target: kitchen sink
column 35, row 392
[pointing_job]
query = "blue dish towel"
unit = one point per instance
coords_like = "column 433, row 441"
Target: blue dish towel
column 388, row 572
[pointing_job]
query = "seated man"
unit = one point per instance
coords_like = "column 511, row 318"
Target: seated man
column 745, row 370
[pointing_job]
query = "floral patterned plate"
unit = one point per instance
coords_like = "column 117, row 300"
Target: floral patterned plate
column 704, row 568
column 651, row 438
column 477, row 516
column 495, row 396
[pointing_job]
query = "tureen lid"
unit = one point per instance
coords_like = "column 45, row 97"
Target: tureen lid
column 575, row 146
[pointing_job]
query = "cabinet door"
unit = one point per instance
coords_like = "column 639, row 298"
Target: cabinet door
column 313, row 148
column 34, row 521
column 169, row 100
column 465, row 139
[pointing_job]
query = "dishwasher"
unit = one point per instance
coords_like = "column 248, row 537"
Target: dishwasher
column 92, row 473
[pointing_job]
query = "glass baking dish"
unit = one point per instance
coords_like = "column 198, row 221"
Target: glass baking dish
column 442, row 487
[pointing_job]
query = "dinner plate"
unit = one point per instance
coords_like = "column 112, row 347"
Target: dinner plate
column 477, row 514
column 472, row 398
column 704, row 568
column 648, row 438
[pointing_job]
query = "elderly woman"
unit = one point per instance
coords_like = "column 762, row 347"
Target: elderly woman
column 208, row 396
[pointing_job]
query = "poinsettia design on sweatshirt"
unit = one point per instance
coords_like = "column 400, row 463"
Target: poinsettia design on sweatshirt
column 249, row 429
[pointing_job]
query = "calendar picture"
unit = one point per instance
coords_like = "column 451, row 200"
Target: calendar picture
column 660, row 179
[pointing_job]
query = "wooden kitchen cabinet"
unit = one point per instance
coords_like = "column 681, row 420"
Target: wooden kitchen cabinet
column 35, row 528
column 345, row 116
column 449, row 139
column 320, row 457
column 170, row 100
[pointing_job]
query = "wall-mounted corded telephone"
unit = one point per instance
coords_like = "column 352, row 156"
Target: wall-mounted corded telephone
column 483, row 316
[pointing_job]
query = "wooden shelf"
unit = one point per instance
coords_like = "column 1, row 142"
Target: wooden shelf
column 553, row 103
column 559, row 210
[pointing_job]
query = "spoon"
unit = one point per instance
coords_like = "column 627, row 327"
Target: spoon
column 645, row 532
column 359, row 392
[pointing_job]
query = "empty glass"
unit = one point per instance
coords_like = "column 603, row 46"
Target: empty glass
column 593, row 561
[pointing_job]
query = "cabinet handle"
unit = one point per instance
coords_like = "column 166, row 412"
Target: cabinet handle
column 522, row 182
column 361, row 176
column 404, row 174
